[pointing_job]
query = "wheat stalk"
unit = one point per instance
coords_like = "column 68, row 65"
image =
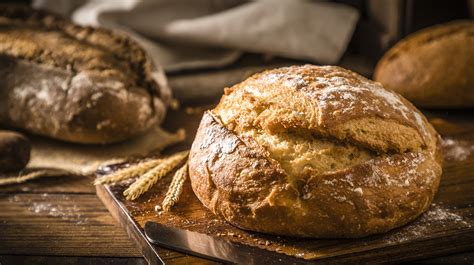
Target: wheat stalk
column 146, row 181
column 175, row 188
column 32, row 175
column 133, row 170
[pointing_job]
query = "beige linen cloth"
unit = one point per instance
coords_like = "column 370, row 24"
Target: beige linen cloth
column 191, row 34
column 195, row 34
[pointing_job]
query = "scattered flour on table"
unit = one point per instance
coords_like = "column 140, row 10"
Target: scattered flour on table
column 67, row 210
column 457, row 150
column 437, row 218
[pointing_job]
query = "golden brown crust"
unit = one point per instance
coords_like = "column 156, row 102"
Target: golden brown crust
column 433, row 67
column 74, row 83
column 240, row 177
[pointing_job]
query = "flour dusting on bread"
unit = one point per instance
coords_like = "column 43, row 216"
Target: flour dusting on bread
column 319, row 151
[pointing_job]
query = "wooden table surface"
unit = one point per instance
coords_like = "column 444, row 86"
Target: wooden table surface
column 61, row 220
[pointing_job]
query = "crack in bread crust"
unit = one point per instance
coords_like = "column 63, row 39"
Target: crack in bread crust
column 269, row 159
column 332, row 102
column 299, row 116
column 302, row 155
column 236, row 179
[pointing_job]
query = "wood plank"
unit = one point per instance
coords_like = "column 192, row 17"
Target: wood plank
column 461, row 258
column 66, row 225
column 67, row 260
column 60, row 224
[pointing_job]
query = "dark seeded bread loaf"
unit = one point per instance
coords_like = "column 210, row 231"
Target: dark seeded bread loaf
column 73, row 83
column 433, row 67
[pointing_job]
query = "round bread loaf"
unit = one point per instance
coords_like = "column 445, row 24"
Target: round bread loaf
column 433, row 67
column 74, row 83
column 315, row 151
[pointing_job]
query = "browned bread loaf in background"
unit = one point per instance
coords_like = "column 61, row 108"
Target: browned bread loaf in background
column 74, row 83
column 433, row 67
column 315, row 152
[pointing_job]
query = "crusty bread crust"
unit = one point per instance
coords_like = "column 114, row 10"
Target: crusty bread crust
column 433, row 67
column 244, row 180
column 74, row 83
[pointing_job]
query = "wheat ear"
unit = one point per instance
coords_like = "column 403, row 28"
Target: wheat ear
column 133, row 170
column 176, row 187
column 146, row 181
column 32, row 175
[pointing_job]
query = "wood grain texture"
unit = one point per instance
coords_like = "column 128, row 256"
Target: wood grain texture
column 448, row 227
column 60, row 224
column 64, row 225
column 11, row 259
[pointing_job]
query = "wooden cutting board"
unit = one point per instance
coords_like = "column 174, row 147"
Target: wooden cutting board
column 447, row 227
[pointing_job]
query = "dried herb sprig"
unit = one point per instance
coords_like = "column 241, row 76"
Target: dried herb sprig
column 133, row 170
column 175, row 188
column 146, row 181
